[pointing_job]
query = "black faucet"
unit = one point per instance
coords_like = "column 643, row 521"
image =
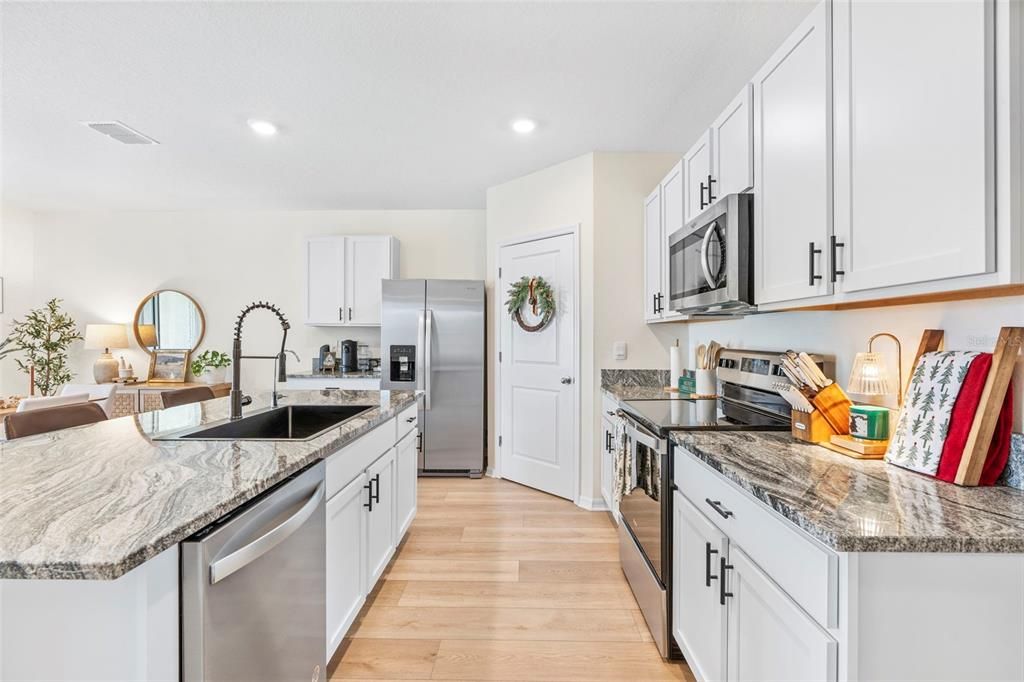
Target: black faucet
column 282, row 368
column 236, row 355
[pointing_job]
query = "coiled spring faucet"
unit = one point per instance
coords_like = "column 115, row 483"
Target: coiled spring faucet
column 237, row 357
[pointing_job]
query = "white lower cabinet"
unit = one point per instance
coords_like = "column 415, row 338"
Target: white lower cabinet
column 369, row 491
column 731, row 620
column 607, row 461
column 380, row 516
column 770, row 637
column 346, row 560
column 698, row 616
column 406, row 469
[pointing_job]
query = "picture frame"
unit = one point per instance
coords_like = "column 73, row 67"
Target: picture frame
column 169, row 366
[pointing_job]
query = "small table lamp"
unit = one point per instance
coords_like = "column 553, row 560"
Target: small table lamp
column 104, row 337
column 870, row 375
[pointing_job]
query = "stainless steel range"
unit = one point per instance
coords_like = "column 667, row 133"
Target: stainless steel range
column 747, row 402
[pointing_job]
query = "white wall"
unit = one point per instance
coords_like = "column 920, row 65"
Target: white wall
column 602, row 193
column 103, row 263
column 969, row 325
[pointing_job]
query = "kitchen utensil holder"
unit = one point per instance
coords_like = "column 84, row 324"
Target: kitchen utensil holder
column 811, row 427
column 706, row 382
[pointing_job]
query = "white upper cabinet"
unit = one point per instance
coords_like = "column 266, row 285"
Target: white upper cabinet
column 672, row 212
column 652, row 256
column 914, row 156
column 700, row 190
column 325, row 280
column 793, row 165
column 770, row 637
column 732, row 146
column 367, row 262
column 343, row 276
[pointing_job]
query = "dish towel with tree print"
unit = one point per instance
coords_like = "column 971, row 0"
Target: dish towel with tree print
column 942, row 400
column 923, row 423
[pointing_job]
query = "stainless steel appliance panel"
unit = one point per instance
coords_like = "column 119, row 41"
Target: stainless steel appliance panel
column 711, row 267
column 453, row 408
column 253, row 603
column 651, row 595
column 402, row 308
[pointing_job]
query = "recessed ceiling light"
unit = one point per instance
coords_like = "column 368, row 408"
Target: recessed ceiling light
column 524, row 126
column 265, row 128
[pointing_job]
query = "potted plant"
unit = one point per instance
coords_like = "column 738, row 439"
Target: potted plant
column 43, row 338
column 210, row 366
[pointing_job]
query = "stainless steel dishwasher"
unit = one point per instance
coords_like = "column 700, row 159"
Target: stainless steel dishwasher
column 253, row 589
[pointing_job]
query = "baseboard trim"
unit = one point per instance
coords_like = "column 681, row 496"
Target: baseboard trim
column 592, row 503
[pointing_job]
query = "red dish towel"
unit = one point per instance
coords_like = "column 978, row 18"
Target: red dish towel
column 962, row 418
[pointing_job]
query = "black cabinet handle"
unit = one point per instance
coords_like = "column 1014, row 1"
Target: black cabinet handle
column 661, row 308
column 410, row 420
column 707, row 564
column 349, row 314
column 376, row 494
column 811, row 253
column 836, row 245
column 703, row 189
column 717, row 506
column 722, row 594
column 369, row 498
column 654, row 304
column 341, row 314
column 711, row 196
column 419, row 442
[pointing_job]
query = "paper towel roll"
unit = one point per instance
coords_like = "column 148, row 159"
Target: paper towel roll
column 675, row 365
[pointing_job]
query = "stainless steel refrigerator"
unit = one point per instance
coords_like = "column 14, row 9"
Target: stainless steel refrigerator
column 432, row 339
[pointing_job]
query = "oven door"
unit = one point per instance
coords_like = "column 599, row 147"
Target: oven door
column 642, row 508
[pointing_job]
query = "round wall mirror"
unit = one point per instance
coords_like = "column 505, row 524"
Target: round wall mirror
column 169, row 320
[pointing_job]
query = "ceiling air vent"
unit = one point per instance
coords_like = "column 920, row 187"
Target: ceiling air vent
column 120, row 132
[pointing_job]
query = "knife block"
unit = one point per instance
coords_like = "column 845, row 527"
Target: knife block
column 811, row 427
column 834, row 406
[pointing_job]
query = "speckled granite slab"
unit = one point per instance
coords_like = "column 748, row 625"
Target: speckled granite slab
column 635, row 377
column 859, row 505
column 1013, row 474
column 96, row 501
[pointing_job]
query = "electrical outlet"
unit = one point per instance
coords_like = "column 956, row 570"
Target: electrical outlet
column 619, row 350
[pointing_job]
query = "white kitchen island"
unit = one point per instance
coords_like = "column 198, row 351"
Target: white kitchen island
column 91, row 520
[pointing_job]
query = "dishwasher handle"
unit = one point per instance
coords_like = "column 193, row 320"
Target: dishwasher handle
column 244, row 556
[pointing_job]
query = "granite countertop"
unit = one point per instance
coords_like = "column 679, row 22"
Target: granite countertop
column 856, row 505
column 368, row 374
column 622, row 392
column 96, row 501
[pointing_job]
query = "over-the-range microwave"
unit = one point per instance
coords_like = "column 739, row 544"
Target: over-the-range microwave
column 711, row 260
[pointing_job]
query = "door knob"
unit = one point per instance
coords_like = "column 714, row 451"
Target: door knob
column 566, row 380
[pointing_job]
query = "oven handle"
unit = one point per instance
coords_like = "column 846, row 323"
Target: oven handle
column 640, row 434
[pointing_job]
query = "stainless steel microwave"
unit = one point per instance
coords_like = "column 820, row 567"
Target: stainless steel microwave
column 711, row 260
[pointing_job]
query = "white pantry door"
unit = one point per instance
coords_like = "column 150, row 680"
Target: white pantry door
column 538, row 420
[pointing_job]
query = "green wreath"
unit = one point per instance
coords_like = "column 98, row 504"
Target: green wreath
column 540, row 297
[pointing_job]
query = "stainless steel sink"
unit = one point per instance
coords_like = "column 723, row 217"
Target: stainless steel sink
column 292, row 422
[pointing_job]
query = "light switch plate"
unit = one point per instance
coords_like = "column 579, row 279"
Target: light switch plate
column 619, row 350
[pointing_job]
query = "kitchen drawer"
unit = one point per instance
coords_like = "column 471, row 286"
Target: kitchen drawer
column 407, row 420
column 345, row 464
column 608, row 406
column 804, row 569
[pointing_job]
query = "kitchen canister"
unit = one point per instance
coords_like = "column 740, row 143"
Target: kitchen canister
column 707, row 382
column 869, row 422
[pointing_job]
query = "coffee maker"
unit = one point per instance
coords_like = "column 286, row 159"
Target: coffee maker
column 348, row 350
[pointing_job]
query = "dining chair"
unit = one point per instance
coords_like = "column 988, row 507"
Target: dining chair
column 184, row 396
column 32, row 422
column 45, row 402
column 101, row 394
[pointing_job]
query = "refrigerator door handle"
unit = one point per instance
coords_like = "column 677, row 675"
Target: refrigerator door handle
column 420, row 365
column 427, row 353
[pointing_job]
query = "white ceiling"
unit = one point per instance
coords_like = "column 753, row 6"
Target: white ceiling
column 380, row 105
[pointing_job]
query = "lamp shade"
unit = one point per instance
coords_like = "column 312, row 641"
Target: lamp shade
column 147, row 334
column 870, row 375
column 105, row 336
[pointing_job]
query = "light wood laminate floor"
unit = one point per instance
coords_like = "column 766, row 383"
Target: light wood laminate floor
column 496, row 581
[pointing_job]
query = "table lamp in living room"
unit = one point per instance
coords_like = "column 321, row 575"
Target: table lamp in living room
column 104, row 337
